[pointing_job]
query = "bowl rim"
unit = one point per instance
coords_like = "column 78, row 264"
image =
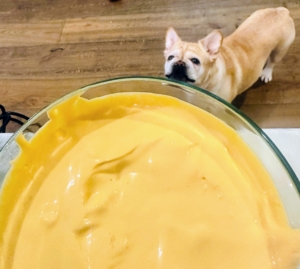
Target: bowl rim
column 259, row 130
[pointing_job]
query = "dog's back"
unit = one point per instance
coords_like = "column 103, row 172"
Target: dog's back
column 268, row 27
column 259, row 42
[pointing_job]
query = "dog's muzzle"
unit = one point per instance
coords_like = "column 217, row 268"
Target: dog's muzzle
column 179, row 72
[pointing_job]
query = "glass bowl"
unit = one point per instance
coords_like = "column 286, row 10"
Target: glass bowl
column 282, row 174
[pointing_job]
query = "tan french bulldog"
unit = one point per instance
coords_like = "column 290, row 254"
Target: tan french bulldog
column 229, row 66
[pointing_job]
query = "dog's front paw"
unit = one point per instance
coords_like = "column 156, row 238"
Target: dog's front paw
column 266, row 74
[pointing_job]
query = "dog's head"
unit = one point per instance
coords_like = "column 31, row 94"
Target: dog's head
column 190, row 62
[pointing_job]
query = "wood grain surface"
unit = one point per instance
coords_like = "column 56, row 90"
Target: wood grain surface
column 51, row 47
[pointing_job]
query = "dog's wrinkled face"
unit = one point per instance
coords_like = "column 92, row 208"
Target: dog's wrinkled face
column 189, row 62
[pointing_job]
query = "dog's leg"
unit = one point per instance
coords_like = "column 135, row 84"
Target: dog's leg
column 275, row 57
column 287, row 38
column 266, row 74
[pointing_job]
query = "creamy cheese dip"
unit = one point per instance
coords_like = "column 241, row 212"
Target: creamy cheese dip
column 138, row 180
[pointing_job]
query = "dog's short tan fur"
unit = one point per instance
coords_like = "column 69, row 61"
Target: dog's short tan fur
column 229, row 66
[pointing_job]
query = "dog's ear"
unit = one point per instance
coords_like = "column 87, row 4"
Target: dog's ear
column 212, row 43
column 171, row 38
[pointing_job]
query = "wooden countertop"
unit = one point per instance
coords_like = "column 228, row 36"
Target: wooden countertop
column 50, row 48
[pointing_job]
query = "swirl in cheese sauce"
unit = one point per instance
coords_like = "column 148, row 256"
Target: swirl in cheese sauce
column 141, row 180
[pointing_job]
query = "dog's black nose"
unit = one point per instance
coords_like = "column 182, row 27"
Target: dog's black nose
column 179, row 70
column 180, row 64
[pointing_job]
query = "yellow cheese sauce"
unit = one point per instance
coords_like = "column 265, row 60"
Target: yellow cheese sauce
column 138, row 180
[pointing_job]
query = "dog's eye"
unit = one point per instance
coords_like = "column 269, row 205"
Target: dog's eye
column 195, row 61
column 170, row 57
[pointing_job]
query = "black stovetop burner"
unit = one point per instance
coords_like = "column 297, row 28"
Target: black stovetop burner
column 8, row 116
